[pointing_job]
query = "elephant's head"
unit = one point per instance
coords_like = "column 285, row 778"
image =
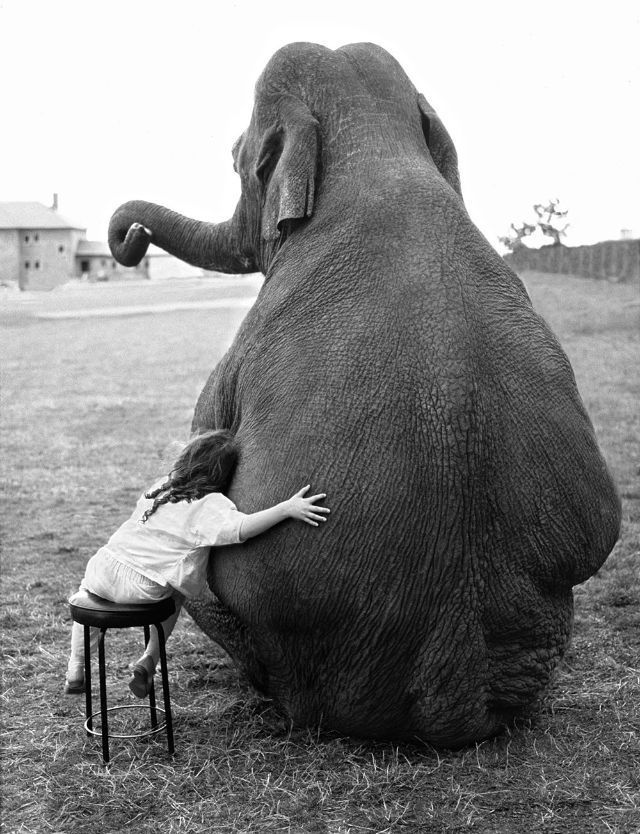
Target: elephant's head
column 297, row 157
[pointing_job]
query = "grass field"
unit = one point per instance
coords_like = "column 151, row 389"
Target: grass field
column 88, row 407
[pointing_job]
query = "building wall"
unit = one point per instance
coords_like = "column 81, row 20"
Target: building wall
column 103, row 267
column 46, row 257
column 9, row 256
column 613, row 260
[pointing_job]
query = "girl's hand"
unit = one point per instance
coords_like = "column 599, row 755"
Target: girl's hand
column 298, row 507
column 305, row 509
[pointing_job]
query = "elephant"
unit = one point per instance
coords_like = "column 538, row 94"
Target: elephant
column 394, row 361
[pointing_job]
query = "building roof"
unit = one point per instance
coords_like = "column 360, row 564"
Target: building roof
column 33, row 216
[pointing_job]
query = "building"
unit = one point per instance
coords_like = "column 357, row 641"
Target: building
column 95, row 262
column 40, row 249
column 37, row 245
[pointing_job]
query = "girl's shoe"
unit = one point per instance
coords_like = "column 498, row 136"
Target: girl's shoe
column 142, row 678
column 74, row 687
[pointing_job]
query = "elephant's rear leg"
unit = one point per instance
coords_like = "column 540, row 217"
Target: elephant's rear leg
column 225, row 628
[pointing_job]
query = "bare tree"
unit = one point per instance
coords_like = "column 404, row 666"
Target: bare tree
column 548, row 220
column 515, row 241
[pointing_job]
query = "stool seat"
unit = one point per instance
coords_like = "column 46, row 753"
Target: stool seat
column 89, row 609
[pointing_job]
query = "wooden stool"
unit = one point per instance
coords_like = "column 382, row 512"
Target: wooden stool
column 91, row 610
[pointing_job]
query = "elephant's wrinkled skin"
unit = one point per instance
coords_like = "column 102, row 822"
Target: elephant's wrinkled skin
column 395, row 362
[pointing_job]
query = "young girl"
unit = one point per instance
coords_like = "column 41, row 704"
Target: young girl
column 162, row 550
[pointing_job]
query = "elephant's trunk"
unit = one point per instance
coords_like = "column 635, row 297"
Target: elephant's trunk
column 213, row 246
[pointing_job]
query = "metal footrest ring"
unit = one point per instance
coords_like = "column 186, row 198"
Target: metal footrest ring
column 144, row 707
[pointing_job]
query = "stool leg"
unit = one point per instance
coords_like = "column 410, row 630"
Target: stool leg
column 152, row 691
column 165, row 687
column 103, row 697
column 88, row 709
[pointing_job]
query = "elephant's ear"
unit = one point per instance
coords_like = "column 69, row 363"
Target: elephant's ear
column 286, row 166
column 440, row 144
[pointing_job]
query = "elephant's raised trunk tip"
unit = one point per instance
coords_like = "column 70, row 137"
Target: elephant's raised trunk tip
column 128, row 241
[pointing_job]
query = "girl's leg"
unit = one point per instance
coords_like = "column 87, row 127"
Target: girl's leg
column 74, row 682
column 153, row 650
column 75, row 667
column 144, row 669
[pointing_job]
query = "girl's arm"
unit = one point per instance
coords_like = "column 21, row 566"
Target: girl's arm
column 298, row 507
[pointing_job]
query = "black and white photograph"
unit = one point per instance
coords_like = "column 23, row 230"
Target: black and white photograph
column 320, row 417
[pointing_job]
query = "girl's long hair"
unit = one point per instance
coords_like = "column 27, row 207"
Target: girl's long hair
column 205, row 465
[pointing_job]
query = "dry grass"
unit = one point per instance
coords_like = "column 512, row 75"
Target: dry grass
column 88, row 407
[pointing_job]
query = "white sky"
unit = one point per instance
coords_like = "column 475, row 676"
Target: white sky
column 104, row 101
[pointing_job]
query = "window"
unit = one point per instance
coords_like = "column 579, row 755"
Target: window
column 61, row 248
column 27, row 264
column 26, row 238
column 103, row 262
column 113, row 264
column 84, row 266
column 37, row 264
column 36, row 237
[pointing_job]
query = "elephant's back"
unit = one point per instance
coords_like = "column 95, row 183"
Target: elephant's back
column 455, row 454
column 358, row 409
